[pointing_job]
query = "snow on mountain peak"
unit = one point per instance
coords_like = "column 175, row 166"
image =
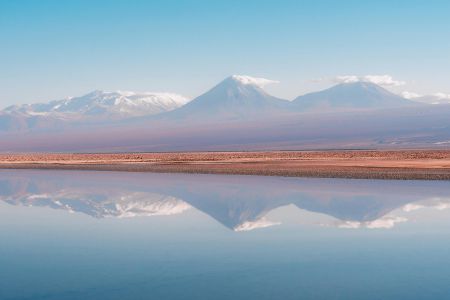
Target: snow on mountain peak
column 107, row 103
column 248, row 80
column 383, row 80
column 148, row 204
column 161, row 95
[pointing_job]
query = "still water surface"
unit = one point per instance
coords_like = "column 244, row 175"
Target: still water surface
column 106, row 235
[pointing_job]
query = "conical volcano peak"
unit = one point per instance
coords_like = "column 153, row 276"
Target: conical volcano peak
column 248, row 80
column 351, row 95
column 235, row 97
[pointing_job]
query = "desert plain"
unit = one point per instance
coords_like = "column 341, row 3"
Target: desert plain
column 367, row 164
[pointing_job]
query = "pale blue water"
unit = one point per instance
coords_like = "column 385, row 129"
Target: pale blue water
column 101, row 235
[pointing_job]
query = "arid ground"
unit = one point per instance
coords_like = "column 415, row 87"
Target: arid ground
column 401, row 164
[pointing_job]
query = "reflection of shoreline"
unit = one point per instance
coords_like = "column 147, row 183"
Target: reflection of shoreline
column 240, row 203
column 285, row 169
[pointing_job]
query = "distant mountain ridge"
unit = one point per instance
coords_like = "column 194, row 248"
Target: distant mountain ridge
column 100, row 103
column 236, row 114
column 236, row 97
column 95, row 107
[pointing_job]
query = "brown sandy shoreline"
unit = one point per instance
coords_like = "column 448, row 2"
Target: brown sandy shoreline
column 401, row 164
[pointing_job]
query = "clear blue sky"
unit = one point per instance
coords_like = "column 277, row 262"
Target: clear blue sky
column 53, row 49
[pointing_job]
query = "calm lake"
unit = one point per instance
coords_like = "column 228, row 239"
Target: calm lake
column 108, row 235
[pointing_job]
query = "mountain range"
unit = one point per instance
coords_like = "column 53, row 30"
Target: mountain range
column 100, row 103
column 236, row 114
column 95, row 106
column 236, row 97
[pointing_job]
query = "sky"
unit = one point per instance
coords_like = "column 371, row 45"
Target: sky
column 54, row 49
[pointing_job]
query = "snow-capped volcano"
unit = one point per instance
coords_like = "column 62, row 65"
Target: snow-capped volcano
column 110, row 104
column 236, row 96
column 353, row 95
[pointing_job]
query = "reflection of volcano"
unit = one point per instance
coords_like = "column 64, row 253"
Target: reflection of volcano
column 99, row 206
column 238, row 202
column 98, row 202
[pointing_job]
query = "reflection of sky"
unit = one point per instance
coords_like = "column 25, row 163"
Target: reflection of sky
column 48, row 253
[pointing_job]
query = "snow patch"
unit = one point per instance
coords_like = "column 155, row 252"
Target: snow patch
column 165, row 206
column 385, row 222
column 250, row 225
column 432, row 203
column 100, row 103
column 410, row 95
column 384, row 80
column 248, row 80
column 436, row 98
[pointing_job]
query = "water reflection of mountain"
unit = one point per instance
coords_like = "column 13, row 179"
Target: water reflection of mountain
column 238, row 202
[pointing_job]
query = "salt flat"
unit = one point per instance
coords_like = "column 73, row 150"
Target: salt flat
column 399, row 164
